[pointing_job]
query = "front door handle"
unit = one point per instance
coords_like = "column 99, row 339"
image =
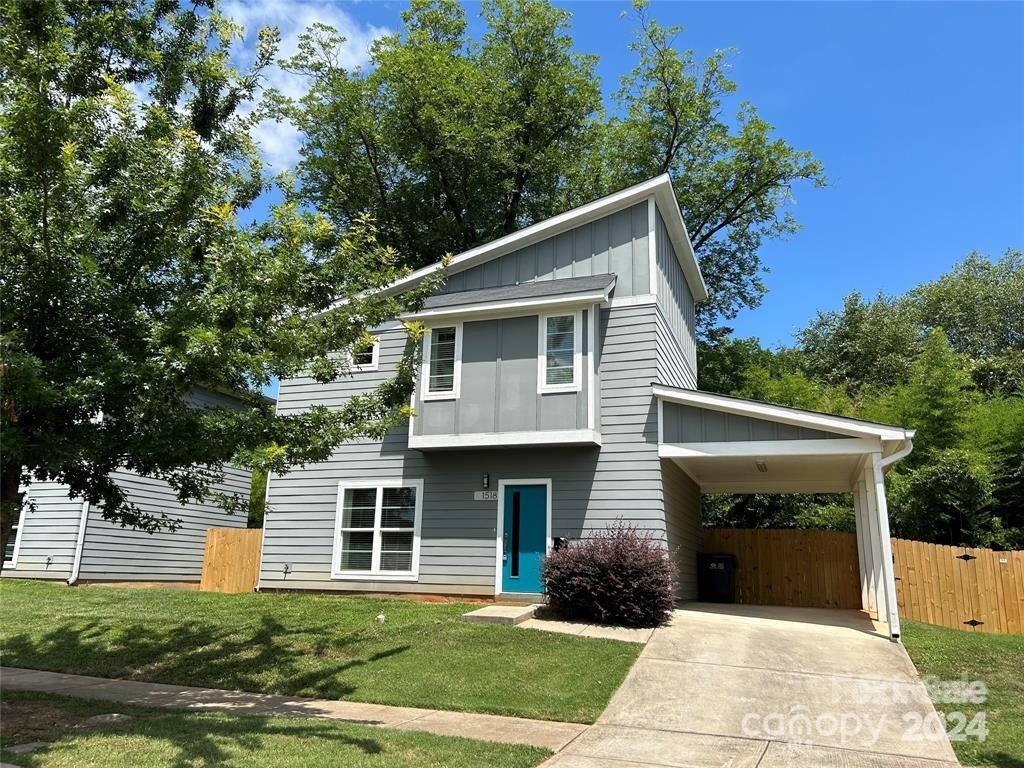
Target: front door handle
column 504, row 551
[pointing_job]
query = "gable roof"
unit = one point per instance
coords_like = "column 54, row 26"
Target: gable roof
column 659, row 187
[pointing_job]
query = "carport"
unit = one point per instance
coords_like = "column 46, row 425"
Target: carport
column 732, row 445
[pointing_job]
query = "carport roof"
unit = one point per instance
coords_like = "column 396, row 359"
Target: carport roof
column 825, row 454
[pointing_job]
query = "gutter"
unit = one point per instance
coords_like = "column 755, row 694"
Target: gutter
column 80, row 544
column 908, row 446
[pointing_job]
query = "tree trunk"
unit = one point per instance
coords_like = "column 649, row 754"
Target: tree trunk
column 10, row 504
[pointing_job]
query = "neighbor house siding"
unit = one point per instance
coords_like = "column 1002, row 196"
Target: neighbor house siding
column 688, row 424
column 675, row 302
column 682, row 516
column 590, row 486
column 49, row 529
column 111, row 552
column 499, row 384
column 616, row 244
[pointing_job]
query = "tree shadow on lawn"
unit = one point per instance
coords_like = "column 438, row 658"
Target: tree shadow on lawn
column 201, row 739
column 262, row 661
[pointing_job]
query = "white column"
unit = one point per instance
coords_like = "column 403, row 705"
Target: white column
column 874, row 542
column 888, row 575
column 863, row 551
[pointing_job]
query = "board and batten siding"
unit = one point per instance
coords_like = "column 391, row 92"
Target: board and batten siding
column 499, row 388
column 683, row 524
column 678, row 313
column 113, row 553
column 689, row 424
column 590, row 486
column 48, row 531
column 615, row 244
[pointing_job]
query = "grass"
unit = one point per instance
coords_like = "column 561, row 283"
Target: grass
column 998, row 661
column 325, row 646
column 161, row 738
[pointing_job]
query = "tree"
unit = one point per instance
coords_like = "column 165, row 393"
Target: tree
column 127, row 281
column 449, row 143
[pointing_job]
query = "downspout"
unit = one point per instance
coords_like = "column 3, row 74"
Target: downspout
column 79, row 544
column 908, row 446
column 878, row 467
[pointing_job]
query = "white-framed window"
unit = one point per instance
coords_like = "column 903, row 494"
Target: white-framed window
column 366, row 357
column 377, row 530
column 442, row 362
column 560, row 358
column 14, row 542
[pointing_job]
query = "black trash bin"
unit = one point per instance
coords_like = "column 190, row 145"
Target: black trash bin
column 716, row 578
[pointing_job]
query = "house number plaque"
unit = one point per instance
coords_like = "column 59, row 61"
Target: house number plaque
column 485, row 495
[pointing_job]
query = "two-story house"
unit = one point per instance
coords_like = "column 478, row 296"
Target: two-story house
column 557, row 395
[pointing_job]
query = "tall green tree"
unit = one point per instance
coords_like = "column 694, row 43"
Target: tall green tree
column 450, row 142
column 127, row 281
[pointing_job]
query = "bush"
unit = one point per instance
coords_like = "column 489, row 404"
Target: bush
column 617, row 576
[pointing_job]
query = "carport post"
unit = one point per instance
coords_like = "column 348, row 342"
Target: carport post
column 888, row 574
column 874, row 540
column 863, row 545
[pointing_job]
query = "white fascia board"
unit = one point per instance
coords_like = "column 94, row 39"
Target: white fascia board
column 767, row 448
column 659, row 186
column 665, row 197
column 519, row 306
column 781, row 414
column 502, row 439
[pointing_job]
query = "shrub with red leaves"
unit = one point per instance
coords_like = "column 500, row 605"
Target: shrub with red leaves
column 615, row 576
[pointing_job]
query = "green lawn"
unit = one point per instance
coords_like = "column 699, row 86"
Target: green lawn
column 327, row 646
column 998, row 661
column 162, row 738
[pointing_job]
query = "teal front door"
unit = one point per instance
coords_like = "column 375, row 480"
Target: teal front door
column 524, row 537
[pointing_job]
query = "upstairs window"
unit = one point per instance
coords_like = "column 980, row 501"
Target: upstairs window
column 365, row 356
column 560, row 353
column 443, row 356
column 378, row 529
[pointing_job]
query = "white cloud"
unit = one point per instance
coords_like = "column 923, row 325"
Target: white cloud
column 279, row 142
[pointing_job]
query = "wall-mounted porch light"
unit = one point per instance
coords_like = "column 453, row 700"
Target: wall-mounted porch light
column 486, row 481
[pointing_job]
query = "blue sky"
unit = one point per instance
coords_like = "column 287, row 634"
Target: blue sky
column 916, row 110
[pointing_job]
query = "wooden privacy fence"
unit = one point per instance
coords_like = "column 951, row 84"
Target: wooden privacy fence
column 232, row 560
column 812, row 569
column 974, row 589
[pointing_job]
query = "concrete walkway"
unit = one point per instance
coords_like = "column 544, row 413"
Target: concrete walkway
column 761, row 687
column 511, row 730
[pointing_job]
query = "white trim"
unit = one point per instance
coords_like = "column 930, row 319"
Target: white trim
column 500, row 527
column 652, row 251
column 76, row 565
column 892, row 617
column 453, row 394
column 781, row 414
column 774, row 486
column 760, row 448
column 374, row 363
column 576, row 384
column 13, row 562
column 502, row 439
column 592, row 366
column 661, row 424
column 660, row 187
column 514, row 307
column 641, row 300
column 375, row 574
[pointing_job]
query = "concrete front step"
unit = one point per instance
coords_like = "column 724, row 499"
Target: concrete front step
column 501, row 614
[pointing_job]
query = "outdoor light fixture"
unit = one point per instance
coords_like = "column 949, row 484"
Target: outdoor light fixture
column 487, row 481
column 761, row 466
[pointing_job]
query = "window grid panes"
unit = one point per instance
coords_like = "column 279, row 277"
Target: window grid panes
column 560, row 335
column 378, row 529
column 362, row 356
column 442, row 360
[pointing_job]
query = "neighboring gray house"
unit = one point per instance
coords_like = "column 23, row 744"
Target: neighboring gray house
column 557, row 394
column 63, row 538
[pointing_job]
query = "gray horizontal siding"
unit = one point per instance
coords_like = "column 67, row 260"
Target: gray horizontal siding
column 689, row 424
column 682, row 517
column 590, row 486
column 113, row 552
column 498, row 391
column 616, row 244
column 49, row 530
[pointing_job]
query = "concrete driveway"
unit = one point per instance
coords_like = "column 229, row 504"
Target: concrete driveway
column 766, row 687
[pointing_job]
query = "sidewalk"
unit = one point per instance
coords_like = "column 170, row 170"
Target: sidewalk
column 511, row 730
